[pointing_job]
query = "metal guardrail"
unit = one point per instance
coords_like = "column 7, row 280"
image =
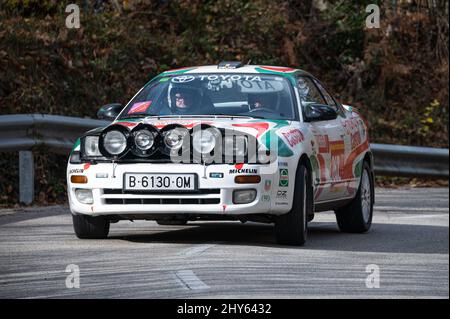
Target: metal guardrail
column 20, row 132
column 25, row 132
column 410, row 161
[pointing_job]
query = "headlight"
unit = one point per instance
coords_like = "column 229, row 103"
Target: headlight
column 114, row 142
column 203, row 141
column 144, row 139
column 235, row 145
column 174, row 138
column 91, row 146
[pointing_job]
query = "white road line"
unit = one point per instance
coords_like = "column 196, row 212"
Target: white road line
column 411, row 209
column 197, row 250
column 423, row 216
column 189, row 280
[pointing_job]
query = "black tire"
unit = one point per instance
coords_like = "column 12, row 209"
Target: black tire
column 292, row 228
column 356, row 217
column 176, row 222
column 88, row 227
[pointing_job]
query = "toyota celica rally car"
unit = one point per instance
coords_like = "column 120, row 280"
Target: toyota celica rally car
column 225, row 142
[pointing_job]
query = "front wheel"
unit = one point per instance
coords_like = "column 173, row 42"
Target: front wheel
column 89, row 227
column 356, row 217
column 292, row 228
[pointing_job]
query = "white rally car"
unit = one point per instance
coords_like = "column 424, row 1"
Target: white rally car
column 225, row 142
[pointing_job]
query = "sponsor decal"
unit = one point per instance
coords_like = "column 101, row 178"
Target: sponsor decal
column 337, row 147
column 183, row 79
column 224, row 207
column 216, row 175
column 76, row 171
column 283, row 164
column 86, row 166
column 239, row 166
column 324, row 143
column 284, row 177
column 337, row 150
column 230, row 77
column 259, row 86
column 282, row 195
column 244, row 171
column 294, row 137
column 265, row 198
column 139, row 107
column 267, row 185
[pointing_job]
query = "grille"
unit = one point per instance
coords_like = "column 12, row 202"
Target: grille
column 115, row 191
column 200, row 197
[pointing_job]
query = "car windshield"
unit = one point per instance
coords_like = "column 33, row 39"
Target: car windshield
column 252, row 95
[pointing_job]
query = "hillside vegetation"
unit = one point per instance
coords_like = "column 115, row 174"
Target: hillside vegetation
column 396, row 75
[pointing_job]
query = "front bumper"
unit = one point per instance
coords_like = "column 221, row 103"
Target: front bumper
column 214, row 195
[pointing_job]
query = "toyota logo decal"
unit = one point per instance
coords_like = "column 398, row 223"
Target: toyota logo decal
column 183, row 79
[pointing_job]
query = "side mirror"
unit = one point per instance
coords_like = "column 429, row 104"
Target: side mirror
column 109, row 111
column 319, row 112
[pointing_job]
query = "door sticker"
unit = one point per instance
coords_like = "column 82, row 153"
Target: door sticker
column 284, row 177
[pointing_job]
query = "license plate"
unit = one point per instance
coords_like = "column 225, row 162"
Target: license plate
column 164, row 182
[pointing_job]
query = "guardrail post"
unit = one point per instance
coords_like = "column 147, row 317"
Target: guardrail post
column 26, row 177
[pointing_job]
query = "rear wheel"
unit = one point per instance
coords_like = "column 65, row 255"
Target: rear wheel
column 356, row 217
column 292, row 228
column 89, row 227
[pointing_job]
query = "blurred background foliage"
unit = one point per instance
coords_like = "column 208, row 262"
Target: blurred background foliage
column 396, row 75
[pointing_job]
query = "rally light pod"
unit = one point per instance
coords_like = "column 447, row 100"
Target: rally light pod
column 175, row 139
column 114, row 141
column 144, row 140
column 206, row 143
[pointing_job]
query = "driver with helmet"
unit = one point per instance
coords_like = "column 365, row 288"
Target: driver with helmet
column 184, row 99
column 303, row 89
column 261, row 101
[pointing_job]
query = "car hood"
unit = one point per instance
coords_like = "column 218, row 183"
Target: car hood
column 255, row 127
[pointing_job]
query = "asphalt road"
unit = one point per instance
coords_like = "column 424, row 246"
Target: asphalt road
column 408, row 243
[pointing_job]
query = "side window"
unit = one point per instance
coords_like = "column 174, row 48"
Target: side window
column 328, row 98
column 308, row 91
